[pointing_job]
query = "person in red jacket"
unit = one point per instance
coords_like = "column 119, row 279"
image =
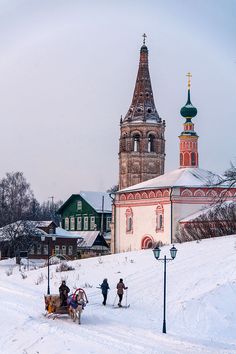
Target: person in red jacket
column 120, row 291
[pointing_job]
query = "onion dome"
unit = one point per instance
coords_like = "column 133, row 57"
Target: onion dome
column 188, row 110
column 144, row 48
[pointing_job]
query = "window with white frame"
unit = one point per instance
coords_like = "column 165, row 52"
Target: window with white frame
column 79, row 205
column 38, row 249
column 159, row 218
column 70, row 250
column 57, row 250
column 79, row 223
column 92, row 222
column 72, row 223
column 67, row 223
column 86, row 223
column 129, row 220
column 108, row 226
column 63, row 250
column 32, row 250
column 45, row 250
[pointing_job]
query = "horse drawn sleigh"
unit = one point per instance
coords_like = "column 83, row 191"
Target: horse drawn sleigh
column 74, row 306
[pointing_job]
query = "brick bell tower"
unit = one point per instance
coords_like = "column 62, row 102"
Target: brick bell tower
column 188, row 139
column 142, row 142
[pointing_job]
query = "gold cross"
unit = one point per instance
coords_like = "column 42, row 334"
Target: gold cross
column 189, row 75
column 144, row 38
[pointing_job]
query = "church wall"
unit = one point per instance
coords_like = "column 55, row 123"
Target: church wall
column 144, row 225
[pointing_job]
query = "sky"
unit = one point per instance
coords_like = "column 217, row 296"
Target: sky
column 67, row 74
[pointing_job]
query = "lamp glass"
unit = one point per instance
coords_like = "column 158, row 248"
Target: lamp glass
column 173, row 252
column 54, row 237
column 156, row 252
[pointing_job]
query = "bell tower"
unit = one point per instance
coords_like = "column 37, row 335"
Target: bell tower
column 188, row 138
column 142, row 142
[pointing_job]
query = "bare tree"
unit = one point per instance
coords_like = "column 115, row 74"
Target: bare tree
column 15, row 198
column 113, row 189
column 220, row 220
column 19, row 236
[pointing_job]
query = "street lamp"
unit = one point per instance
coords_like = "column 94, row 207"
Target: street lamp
column 156, row 252
column 43, row 238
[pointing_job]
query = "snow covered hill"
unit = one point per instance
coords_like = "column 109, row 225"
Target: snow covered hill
column 201, row 304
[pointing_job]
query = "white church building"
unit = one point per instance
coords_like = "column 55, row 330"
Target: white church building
column 148, row 212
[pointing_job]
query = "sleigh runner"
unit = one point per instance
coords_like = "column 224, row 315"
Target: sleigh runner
column 75, row 305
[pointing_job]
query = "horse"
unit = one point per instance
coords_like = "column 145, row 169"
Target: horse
column 76, row 303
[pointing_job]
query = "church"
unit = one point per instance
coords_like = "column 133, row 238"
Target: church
column 150, row 204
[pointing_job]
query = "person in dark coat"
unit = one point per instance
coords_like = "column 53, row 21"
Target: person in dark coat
column 120, row 291
column 63, row 291
column 105, row 287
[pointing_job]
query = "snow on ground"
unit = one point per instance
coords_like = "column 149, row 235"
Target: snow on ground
column 201, row 299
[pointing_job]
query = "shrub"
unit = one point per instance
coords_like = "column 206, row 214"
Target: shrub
column 39, row 280
column 64, row 267
column 9, row 271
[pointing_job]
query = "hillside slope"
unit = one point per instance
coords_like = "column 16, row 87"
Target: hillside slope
column 201, row 299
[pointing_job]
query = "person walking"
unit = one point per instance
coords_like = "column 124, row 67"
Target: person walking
column 120, row 291
column 105, row 287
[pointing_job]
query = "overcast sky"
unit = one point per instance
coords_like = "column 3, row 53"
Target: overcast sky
column 67, row 73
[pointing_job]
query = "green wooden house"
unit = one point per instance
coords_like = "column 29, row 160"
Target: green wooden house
column 87, row 211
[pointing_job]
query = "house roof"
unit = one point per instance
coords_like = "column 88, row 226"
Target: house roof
column 88, row 240
column 94, row 199
column 181, row 177
column 60, row 232
column 44, row 223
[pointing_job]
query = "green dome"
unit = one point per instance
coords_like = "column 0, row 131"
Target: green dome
column 144, row 48
column 188, row 110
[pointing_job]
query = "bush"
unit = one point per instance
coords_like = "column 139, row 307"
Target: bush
column 64, row 267
column 24, row 276
column 39, row 280
column 9, row 271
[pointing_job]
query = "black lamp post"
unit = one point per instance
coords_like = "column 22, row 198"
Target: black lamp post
column 157, row 252
column 43, row 238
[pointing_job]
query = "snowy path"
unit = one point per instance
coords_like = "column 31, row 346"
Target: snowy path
column 201, row 311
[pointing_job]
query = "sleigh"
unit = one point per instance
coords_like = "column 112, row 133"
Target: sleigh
column 75, row 305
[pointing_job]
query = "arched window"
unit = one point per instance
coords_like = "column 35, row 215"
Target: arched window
column 186, row 159
column 159, row 218
column 151, row 139
column 129, row 220
column 193, row 159
column 181, row 159
column 136, row 143
column 129, row 223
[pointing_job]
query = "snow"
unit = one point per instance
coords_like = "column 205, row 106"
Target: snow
column 181, row 177
column 201, row 298
column 60, row 232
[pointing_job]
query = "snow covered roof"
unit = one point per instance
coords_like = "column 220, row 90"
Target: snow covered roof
column 44, row 223
column 181, row 177
column 95, row 200
column 60, row 232
column 88, row 240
